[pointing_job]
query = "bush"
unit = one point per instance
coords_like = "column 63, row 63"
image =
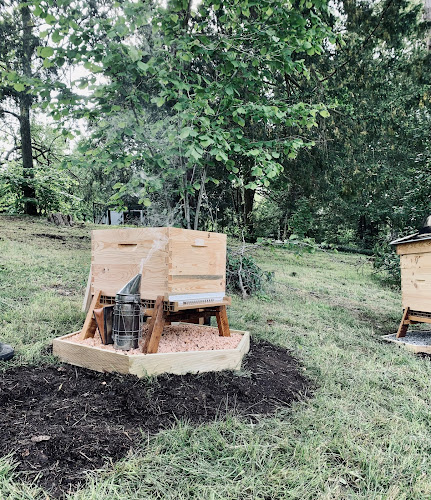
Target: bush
column 387, row 263
column 301, row 222
column 244, row 276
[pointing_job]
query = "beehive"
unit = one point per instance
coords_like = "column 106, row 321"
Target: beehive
column 415, row 263
column 182, row 265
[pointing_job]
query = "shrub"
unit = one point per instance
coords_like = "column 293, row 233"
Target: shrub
column 243, row 275
column 387, row 263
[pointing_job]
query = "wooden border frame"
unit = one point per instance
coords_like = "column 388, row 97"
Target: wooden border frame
column 142, row 365
column 426, row 349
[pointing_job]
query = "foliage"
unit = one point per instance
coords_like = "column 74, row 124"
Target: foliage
column 243, row 274
column 191, row 97
column 301, row 221
column 386, row 262
column 55, row 189
column 367, row 177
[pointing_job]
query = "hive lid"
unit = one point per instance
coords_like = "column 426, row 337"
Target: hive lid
column 424, row 233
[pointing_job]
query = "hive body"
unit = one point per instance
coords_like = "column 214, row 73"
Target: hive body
column 179, row 264
column 415, row 262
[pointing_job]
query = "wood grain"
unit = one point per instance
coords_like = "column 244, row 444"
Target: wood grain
column 90, row 326
column 414, row 247
column 222, row 322
column 174, row 261
column 143, row 365
column 155, row 329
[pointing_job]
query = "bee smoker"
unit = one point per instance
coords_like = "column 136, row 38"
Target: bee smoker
column 127, row 316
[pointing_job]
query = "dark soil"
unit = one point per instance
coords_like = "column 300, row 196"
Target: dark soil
column 61, row 421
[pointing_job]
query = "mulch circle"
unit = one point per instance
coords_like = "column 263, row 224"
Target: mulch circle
column 61, row 421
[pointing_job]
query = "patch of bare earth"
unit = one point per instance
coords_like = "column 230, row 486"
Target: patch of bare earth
column 60, row 422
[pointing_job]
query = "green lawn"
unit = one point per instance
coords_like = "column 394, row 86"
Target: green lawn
column 364, row 434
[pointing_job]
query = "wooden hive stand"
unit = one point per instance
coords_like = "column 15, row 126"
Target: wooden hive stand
column 411, row 317
column 161, row 316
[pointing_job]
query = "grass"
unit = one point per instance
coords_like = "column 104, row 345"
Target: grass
column 365, row 434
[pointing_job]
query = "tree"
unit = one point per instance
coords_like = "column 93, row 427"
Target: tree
column 193, row 97
column 362, row 176
column 25, row 79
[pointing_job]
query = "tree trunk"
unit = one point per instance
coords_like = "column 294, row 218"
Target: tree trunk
column 248, row 212
column 186, row 202
column 427, row 17
column 25, row 99
column 199, row 202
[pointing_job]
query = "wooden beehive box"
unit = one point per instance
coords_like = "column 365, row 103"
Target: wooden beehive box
column 415, row 262
column 182, row 265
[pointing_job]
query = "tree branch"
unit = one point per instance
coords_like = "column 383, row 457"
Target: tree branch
column 2, row 110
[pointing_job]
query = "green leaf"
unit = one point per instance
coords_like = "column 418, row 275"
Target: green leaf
column 47, row 52
column 134, row 54
column 185, row 133
column 159, row 101
column 206, row 143
column 50, row 19
column 47, row 63
column 147, row 202
column 269, row 11
column 19, row 87
column 324, row 113
column 254, row 152
column 56, row 37
column 143, row 66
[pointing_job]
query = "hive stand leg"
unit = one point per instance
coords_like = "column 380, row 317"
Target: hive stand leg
column 404, row 325
column 222, row 322
column 155, row 329
column 87, row 298
column 90, row 326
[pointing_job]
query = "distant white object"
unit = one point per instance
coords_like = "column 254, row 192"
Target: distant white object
column 113, row 218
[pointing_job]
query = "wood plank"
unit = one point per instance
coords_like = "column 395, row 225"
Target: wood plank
column 90, row 326
column 222, row 322
column 404, row 324
column 426, row 349
column 111, row 278
column 196, row 254
column 143, row 365
column 94, row 358
column 88, row 296
column 417, row 303
column 415, row 247
column 180, row 363
column 128, row 235
column 415, row 260
column 155, row 328
column 419, row 319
